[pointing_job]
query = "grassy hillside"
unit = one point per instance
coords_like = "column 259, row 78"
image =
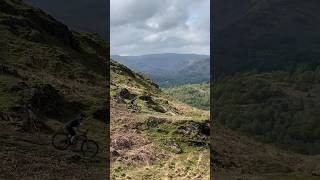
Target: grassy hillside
column 279, row 107
column 196, row 95
column 155, row 136
column 266, row 94
column 59, row 73
column 235, row 156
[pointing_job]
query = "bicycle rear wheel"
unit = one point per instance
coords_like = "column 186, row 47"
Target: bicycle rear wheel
column 90, row 148
column 60, row 141
column 77, row 142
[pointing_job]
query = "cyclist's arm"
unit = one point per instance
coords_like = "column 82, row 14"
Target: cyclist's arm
column 78, row 129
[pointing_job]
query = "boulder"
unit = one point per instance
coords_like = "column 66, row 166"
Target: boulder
column 197, row 143
column 125, row 94
column 128, row 71
column 152, row 104
column 174, row 146
column 114, row 153
column 146, row 98
column 158, row 108
column 193, row 128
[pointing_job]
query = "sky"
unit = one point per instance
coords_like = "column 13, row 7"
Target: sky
column 159, row 26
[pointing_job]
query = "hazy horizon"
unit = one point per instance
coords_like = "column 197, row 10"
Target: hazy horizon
column 162, row 54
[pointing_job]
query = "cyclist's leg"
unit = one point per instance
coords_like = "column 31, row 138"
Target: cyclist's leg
column 72, row 134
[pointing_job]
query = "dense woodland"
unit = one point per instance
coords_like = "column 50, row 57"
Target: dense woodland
column 280, row 107
column 197, row 95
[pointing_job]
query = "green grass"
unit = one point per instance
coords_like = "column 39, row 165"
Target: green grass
column 279, row 107
column 167, row 132
column 8, row 99
column 193, row 165
column 197, row 95
column 78, row 73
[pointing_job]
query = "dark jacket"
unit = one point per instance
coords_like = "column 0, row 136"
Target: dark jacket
column 73, row 124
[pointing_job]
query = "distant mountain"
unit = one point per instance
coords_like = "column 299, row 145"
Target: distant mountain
column 195, row 73
column 266, row 35
column 164, row 69
column 81, row 15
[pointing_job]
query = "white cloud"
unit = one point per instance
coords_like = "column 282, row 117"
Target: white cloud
column 160, row 26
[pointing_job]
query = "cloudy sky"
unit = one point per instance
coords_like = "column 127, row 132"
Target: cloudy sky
column 160, row 26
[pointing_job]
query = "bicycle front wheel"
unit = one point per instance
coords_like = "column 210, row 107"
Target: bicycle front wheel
column 90, row 148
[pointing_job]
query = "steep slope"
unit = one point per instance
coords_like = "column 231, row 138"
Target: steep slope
column 82, row 15
column 152, row 134
column 197, row 72
column 238, row 157
column 163, row 69
column 265, row 99
column 58, row 73
column 228, row 11
column 279, row 107
column 268, row 35
column 265, row 122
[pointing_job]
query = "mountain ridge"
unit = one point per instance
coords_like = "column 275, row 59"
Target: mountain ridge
column 82, row 14
column 164, row 68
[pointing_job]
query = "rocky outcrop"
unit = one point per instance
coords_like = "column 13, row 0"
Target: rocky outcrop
column 158, row 108
column 174, row 146
column 152, row 104
column 193, row 128
column 48, row 100
column 125, row 94
column 146, row 98
column 36, row 104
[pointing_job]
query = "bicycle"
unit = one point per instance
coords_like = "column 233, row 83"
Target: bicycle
column 61, row 141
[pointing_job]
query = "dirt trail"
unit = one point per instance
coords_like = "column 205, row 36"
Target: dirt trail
column 31, row 156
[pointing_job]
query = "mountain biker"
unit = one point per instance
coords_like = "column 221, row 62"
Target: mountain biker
column 73, row 126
